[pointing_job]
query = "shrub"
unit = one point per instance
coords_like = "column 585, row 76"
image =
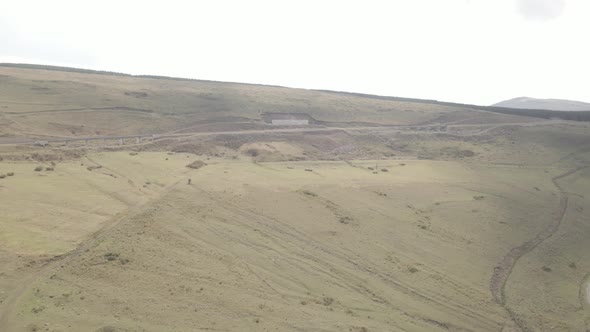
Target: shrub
column 309, row 170
column 49, row 169
column 327, row 300
column 412, row 269
column 572, row 265
column 384, row 170
column 345, row 220
column 133, row 153
column 10, row 174
column 478, row 198
column 252, row 152
column 547, row 269
column 196, row 164
column 107, row 328
column 37, row 310
column 309, row 193
column 2, row 176
column 38, row 168
column 111, row 256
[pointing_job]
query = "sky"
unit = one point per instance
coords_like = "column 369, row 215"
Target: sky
column 468, row 51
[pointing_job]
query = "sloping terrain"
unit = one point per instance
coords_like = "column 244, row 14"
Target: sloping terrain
column 335, row 248
column 385, row 215
column 48, row 103
column 544, row 104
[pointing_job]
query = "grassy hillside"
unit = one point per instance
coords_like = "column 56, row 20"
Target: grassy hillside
column 460, row 220
column 39, row 102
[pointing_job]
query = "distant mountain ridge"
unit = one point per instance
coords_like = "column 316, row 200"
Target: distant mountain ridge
column 544, row 104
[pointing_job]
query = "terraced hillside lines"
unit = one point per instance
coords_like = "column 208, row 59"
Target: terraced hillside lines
column 503, row 270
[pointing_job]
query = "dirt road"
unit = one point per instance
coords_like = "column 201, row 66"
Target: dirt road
column 503, row 270
column 376, row 128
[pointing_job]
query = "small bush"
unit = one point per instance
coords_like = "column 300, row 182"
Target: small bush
column 196, row 164
column 92, row 168
column 133, row 153
column 384, row 170
column 327, row 300
column 370, row 168
column 572, row 265
column 478, row 198
column 309, row 193
column 107, row 328
column 38, row 168
column 252, row 152
column 2, row 176
column 10, row 174
column 49, row 169
column 309, row 170
column 547, row 269
column 345, row 220
column 412, row 269
column 111, row 256
column 37, row 310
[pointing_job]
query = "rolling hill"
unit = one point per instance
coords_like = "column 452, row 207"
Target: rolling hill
column 544, row 104
column 164, row 204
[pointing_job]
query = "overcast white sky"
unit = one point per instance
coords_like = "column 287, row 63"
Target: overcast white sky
column 471, row 51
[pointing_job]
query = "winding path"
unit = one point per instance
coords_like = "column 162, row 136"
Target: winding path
column 503, row 270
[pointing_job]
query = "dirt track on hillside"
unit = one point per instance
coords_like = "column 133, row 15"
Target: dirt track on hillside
column 503, row 270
